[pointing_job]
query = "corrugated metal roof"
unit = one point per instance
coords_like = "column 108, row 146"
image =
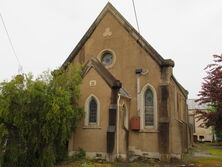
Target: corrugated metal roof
column 192, row 105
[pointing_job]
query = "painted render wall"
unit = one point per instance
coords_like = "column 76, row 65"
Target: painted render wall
column 109, row 34
column 92, row 138
column 129, row 56
column 207, row 133
column 179, row 133
column 122, row 131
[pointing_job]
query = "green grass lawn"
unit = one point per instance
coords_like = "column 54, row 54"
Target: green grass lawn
column 213, row 149
column 207, row 162
column 215, row 152
column 209, row 148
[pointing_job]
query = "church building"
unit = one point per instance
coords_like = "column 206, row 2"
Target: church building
column 132, row 102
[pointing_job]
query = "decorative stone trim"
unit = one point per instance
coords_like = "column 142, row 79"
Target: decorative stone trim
column 148, row 131
column 99, row 56
column 86, row 121
column 107, row 32
column 141, row 100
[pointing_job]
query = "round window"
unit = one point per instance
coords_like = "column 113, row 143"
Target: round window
column 107, row 59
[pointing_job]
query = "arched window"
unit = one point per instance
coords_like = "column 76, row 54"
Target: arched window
column 93, row 111
column 125, row 117
column 148, row 108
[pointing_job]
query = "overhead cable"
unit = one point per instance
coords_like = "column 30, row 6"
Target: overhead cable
column 134, row 7
column 13, row 49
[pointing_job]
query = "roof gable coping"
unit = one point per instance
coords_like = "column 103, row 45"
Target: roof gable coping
column 102, row 71
column 129, row 28
column 184, row 91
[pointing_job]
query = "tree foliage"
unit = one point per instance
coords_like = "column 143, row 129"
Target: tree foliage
column 37, row 117
column 211, row 93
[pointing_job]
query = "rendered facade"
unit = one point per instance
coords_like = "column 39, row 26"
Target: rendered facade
column 201, row 134
column 133, row 104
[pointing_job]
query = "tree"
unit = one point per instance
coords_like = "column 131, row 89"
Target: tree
column 37, row 117
column 211, row 93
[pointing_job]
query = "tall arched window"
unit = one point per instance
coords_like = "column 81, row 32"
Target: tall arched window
column 125, row 117
column 148, row 108
column 93, row 111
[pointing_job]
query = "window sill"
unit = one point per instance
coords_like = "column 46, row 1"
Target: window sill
column 148, row 131
column 91, row 127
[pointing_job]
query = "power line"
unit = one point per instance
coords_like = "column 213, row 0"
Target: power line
column 13, row 49
column 134, row 7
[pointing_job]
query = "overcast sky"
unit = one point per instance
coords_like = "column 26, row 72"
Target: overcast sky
column 44, row 32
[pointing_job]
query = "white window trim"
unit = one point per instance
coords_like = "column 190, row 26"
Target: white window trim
column 142, row 102
column 86, row 121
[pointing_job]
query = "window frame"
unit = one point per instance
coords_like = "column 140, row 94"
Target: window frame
column 150, row 106
column 92, row 122
column 142, row 108
column 107, row 50
column 87, row 111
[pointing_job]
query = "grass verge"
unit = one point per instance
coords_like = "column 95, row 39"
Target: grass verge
column 207, row 162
